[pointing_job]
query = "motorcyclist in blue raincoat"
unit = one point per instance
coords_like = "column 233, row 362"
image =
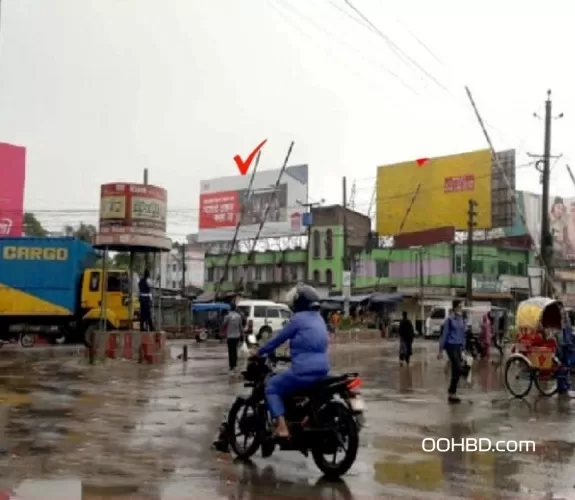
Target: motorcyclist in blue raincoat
column 308, row 336
column 566, row 353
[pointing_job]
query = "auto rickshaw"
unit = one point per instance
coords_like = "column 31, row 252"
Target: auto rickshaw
column 534, row 353
column 207, row 319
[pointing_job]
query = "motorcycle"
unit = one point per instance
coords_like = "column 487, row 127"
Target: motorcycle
column 473, row 345
column 323, row 419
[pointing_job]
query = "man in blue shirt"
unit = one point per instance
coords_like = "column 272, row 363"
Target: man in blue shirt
column 308, row 337
column 452, row 341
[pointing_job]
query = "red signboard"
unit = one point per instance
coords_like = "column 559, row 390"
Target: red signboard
column 459, row 183
column 424, row 238
column 218, row 210
column 12, row 178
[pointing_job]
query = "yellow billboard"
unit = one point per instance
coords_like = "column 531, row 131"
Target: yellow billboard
column 434, row 192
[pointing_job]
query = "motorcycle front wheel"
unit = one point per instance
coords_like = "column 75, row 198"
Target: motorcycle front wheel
column 244, row 424
column 343, row 436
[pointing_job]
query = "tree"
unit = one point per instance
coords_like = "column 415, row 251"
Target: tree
column 122, row 261
column 84, row 232
column 32, row 226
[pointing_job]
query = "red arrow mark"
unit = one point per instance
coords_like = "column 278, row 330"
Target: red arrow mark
column 244, row 166
column 421, row 161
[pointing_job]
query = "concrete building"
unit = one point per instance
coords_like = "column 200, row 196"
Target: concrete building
column 169, row 268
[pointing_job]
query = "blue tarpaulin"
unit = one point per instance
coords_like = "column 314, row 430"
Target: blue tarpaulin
column 375, row 298
column 386, row 298
column 210, row 306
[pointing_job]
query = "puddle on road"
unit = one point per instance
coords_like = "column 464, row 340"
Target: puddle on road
column 112, row 427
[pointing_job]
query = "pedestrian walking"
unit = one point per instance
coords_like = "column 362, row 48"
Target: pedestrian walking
column 233, row 328
column 406, row 335
column 452, row 341
column 486, row 333
column 145, row 297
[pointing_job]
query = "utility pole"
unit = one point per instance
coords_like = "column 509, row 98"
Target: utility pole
column 471, row 223
column 309, row 206
column 546, row 237
column 346, row 274
column 183, row 259
column 421, row 291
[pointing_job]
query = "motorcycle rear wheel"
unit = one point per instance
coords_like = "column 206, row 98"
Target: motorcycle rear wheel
column 338, row 416
column 236, row 418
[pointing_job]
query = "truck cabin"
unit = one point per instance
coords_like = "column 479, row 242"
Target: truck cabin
column 118, row 289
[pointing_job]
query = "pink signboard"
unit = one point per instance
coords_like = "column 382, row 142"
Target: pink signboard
column 12, row 179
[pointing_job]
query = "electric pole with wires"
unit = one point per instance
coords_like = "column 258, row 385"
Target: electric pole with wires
column 544, row 166
column 471, row 223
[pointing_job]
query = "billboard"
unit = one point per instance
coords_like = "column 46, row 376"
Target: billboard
column 222, row 199
column 435, row 193
column 133, row 215
column 12, row 179
column 561, row 219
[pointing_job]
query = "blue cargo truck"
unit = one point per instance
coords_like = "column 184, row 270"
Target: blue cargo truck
column 50, row 286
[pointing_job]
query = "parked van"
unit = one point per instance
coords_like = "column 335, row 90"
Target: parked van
column 439, row 314
column 264, row 316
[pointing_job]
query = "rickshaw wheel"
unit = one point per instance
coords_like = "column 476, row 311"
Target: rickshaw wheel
column 546, row 383
column 524, row 369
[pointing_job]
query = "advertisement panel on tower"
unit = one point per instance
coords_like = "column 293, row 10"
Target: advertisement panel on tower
column 280, row 209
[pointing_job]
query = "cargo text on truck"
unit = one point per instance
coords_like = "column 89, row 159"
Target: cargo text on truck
column 50, row 286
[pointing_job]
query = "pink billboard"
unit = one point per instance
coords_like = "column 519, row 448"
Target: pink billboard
column 12, row 178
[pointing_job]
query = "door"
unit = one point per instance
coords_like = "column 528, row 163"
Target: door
column 273, row 318
column 436, row 319
column 117, row 296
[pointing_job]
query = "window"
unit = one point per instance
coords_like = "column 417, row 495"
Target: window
column 273, row 313
column 328, row 277
column 505, row 268
column 329, row 244
column 245, row 310
column 459, row 264
column 260, row 311
column 477, row 267
column 382, row 269
column 316, row 276
column 210, row 277
column 174, row 267
column 94, row 281
column 316, row 245
column 521, row 269
column 118, row 282
column 437, row 314
column 258, row 273
column 285, row 314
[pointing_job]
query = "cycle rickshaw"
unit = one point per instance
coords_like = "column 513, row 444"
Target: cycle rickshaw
column 534, row 353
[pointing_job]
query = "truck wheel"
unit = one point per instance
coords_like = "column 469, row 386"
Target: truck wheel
column 27, row 340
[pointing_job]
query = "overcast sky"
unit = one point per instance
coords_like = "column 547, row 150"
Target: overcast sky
column 99, row 89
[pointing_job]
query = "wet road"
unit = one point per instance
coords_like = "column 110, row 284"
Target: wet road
column 122, row 430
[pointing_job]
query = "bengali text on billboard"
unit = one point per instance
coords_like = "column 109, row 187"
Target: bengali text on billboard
column 416, row 198
column 224, row 201
column 132, row 214
column 12, row 179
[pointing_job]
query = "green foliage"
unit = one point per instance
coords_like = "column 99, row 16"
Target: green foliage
column 33, row 227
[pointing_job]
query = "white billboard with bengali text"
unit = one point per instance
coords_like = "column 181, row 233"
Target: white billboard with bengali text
column 221, row 202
